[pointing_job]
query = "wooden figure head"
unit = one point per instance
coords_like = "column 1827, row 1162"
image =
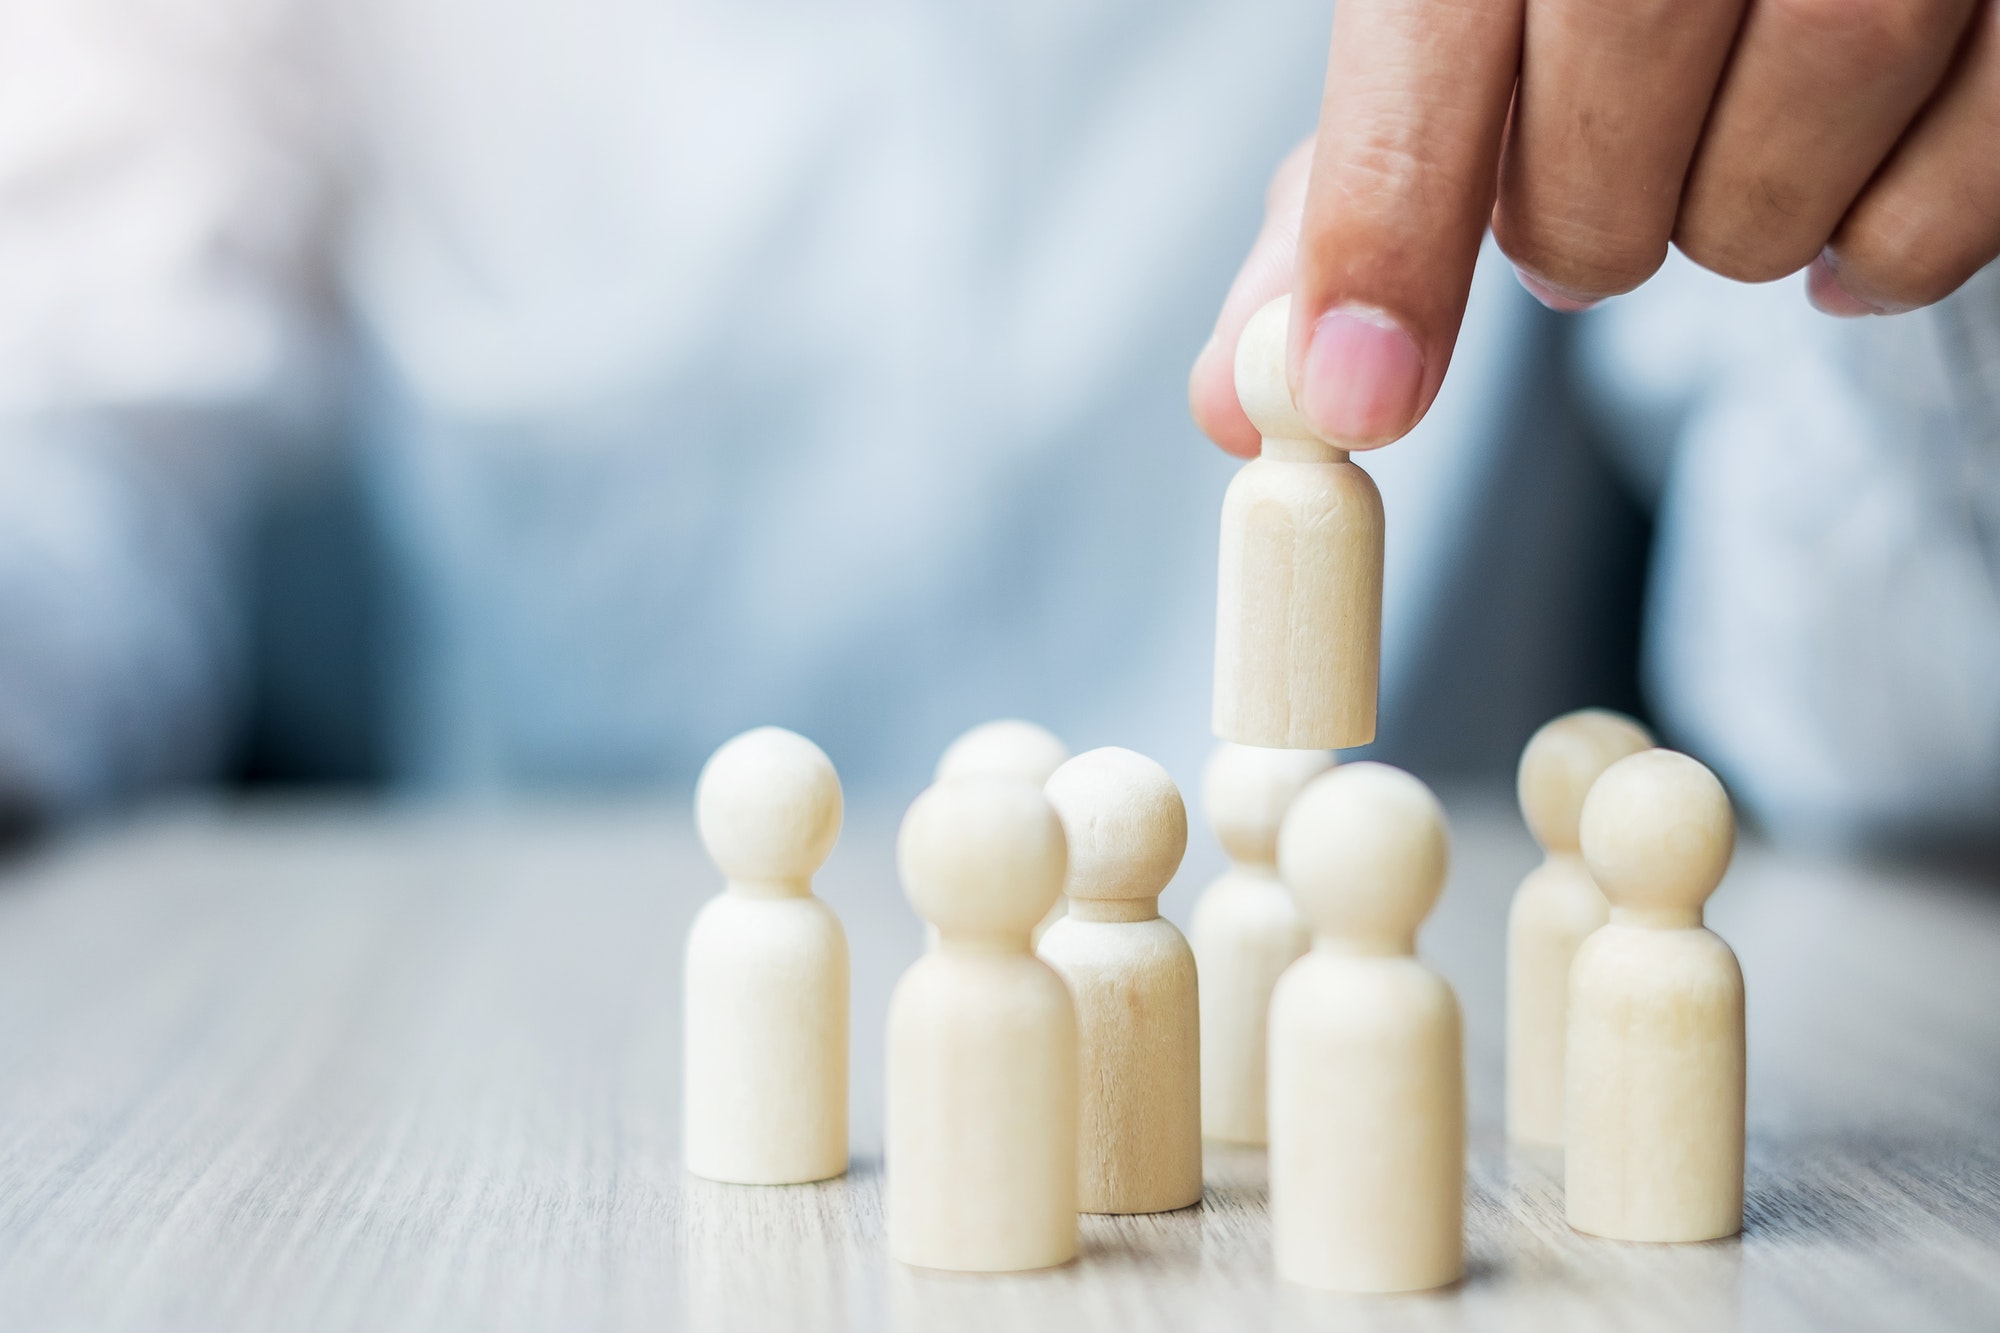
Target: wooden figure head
column 1260, row 375
column 1657, row 833
column 1560, row 763
column 982, row 857
column 1364, row 852
column 768, row 805
column 1125, row 821
column 1010, row 747
column 1246, row 790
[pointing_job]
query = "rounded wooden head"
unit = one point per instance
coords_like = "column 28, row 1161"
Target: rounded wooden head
column 768, row 806
column 1658, row 832
column 1125, row 821
column 1260, row 375
column 1246, row 789
column 1364, row 852
column 1562, row 760
column 1009, row 747
column 982, row 855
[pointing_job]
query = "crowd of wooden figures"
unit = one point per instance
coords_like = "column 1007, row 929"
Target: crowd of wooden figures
column 1061, row 1048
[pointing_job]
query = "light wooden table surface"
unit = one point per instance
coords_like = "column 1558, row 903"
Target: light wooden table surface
column 314, row 1068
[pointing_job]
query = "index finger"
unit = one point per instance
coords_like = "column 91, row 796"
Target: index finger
column 1402, row 184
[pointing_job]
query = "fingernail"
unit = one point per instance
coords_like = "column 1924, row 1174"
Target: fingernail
column 1824, row 290
column 1549, row 296
column 1363, row 374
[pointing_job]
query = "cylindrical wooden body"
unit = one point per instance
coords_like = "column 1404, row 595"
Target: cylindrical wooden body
column 1367, row 1125
column 1246, row 932
column 1555, row 908
column 1653, row 1120
column 1299, row 603
column 1139, row 1049
column 981, row 1113
column 764, row 1087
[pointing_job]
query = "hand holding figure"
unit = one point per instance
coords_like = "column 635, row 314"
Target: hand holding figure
column 1858, row 140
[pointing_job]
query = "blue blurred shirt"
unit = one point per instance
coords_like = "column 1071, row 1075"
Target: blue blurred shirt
column 718, row 364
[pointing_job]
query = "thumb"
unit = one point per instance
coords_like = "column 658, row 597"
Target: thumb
column 1402, row 183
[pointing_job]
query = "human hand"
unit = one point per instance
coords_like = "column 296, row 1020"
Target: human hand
column 1856, row 139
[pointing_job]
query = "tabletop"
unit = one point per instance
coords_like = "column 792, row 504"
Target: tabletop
column 354, row 1067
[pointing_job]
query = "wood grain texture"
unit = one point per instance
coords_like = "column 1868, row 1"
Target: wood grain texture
column 344, row 1070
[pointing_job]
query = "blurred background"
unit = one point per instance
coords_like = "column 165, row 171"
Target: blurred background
column 459, row 398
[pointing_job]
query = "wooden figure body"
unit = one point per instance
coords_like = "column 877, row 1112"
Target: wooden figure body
column 1133, row 977
column 764, row 1082
column 1367, row 1109
column 981, row 1107
column 1010, row 748
column 1246, row 930
column 1654, row 1114
column 1557, row 905
column 1299, row 606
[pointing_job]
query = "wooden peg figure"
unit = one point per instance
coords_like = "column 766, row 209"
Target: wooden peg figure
column 1557, row 905
column 1367, row 1070
column 1654, row 1115
column 1008, row 747
column 1246, row 929
column 1015, row 749
column 981, row 1145
column 1299, row 609
column 1133, row 976
column 765, row 1051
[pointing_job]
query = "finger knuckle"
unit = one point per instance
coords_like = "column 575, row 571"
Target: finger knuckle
column 1730, row 257
column 1874, row 35
column 1906, row 289
column 1892, row 257
column 1587, row 258
column 1755, row 231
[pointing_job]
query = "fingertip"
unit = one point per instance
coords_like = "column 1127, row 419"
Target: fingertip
column 1830, row 296
column 1561, row 302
